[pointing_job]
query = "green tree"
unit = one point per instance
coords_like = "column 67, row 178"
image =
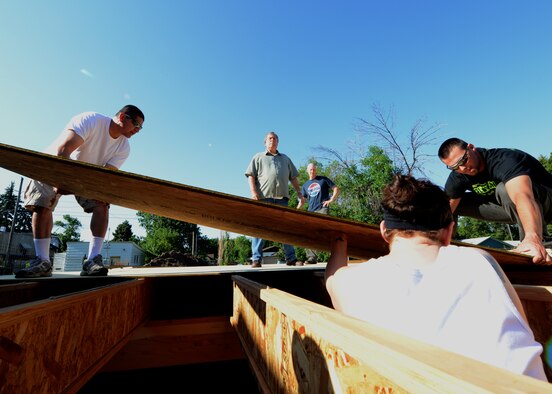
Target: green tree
column 242, row 245
column 184, row 232
column 407, row 150
column 124, row 233
column 546, row 162
column 70, row 227
column 236, row 250
column 207, row 246
column 159, row 240
column 23, row 219
column 474, row 228
column 361, row 179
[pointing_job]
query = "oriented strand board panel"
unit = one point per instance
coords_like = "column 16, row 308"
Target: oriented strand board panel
column 203, row 207
column 296, row 346
column 178, row 342
column 537, row 303
column 55, row 345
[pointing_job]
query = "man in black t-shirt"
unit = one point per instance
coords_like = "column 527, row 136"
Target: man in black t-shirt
column 317, row 192
column 500, row 185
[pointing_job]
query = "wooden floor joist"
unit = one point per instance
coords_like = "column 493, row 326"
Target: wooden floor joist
column 160, row 344
column 55, row 345
column 295, row 346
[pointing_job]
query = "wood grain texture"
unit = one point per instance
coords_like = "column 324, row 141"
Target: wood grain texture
column 205, row 207
column 296, row 346
column 57, row 344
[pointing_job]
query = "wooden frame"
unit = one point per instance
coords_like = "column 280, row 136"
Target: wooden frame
column 295, row 346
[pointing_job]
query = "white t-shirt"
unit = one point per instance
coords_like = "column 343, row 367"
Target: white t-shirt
column 459, row 303
column 98, row 147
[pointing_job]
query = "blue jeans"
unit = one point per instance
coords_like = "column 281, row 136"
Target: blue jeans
column 257, row 243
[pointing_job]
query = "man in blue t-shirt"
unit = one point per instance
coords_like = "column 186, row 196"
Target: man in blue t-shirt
column 501, row 185
column 317, row 192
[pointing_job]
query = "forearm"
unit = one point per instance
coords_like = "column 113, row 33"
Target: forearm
column 296, row 186
column 530, row 217
column 253, row 187
column 335, row 194
column 338, row 257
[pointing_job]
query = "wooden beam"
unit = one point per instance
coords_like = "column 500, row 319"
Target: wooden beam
column 295, row 345
column 205, row 207
column 56, row 344
column 178, row 342
column 537, row 303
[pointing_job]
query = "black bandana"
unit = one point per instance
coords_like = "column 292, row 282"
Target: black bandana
column 393, row 222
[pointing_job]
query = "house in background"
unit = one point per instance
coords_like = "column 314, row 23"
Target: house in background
column 21, row 249
column 115, row 254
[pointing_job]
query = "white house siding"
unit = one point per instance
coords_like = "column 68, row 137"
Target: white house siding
column 113, row 253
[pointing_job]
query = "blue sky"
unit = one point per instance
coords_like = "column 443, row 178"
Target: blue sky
column 213, row 76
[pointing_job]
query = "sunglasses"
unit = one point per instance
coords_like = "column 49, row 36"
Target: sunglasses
column 460, row 162
column 135, row 123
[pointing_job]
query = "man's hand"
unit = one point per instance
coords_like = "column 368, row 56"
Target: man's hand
column 533, row 246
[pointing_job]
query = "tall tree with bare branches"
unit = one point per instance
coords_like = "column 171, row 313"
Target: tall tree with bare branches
column 406, row 150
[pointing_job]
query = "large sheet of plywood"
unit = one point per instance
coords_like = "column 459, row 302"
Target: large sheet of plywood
column 203, row 207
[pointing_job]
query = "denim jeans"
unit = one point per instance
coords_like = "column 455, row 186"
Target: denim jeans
column 258, row 243
column 474, row 206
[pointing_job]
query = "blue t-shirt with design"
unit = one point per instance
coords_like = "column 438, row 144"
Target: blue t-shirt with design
column 316, row 191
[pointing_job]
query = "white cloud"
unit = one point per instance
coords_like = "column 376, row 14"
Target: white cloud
column 126, row 96
column 87, row 73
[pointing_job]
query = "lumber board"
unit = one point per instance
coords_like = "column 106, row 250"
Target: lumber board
column 178, row 342
column 55, row 345
column 296, row 346
column 205, row 207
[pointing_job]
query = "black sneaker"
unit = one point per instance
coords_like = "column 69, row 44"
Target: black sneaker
column 311, row 260
column 37, row 268
column 94, row 267
column 256, row 264
column 294, row 262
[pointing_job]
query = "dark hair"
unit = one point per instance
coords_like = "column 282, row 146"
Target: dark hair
column 132, row 111
column 446, row 147
column 416, row 205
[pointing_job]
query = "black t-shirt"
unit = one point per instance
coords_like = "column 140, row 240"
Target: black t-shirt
column 317, row 191
column 501, row 165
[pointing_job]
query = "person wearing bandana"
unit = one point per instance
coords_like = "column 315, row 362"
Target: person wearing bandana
column 457, row 298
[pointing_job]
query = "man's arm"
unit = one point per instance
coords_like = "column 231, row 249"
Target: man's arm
column 337, row 260
column 253, row 187
column 520, row 191
column 67, row 146
column 295, row 184
column 334, row 196
column 454, row 202
column 301, row 203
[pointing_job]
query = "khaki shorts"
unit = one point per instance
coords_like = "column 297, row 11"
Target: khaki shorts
column 38, row 194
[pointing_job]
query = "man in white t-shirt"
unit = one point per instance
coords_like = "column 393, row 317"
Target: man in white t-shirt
column 92, row 138
column 457, row 298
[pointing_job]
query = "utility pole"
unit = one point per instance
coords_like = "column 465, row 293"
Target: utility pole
column 6, row 263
